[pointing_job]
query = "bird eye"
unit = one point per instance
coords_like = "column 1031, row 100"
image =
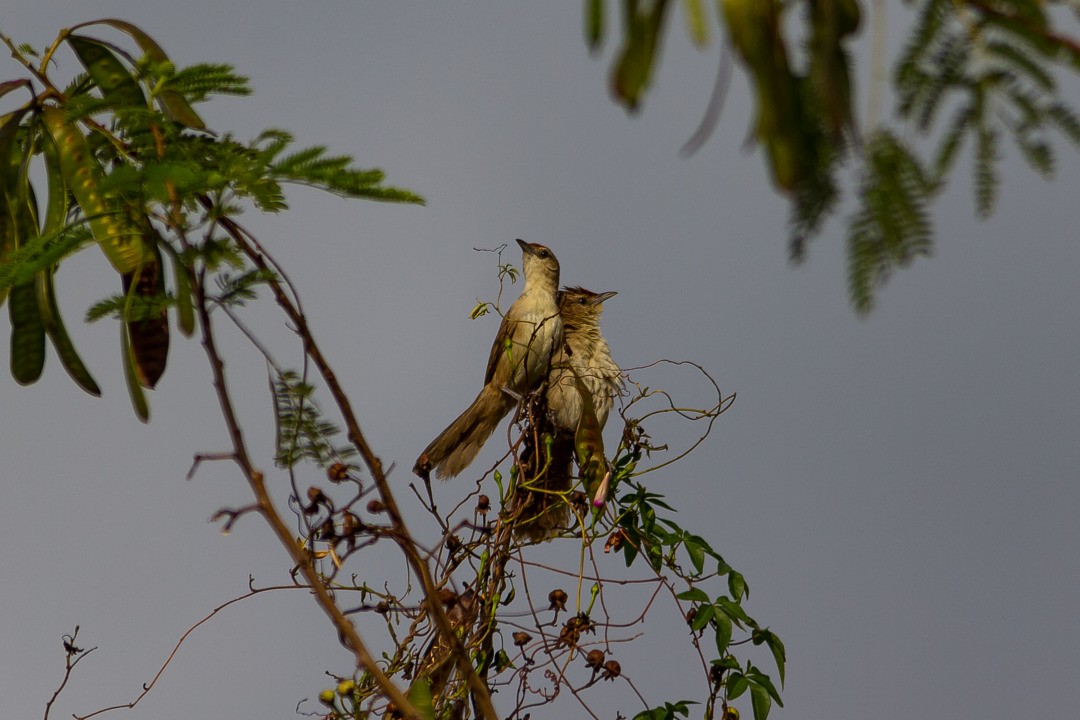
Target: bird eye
column 581, row 301
column 544, row 253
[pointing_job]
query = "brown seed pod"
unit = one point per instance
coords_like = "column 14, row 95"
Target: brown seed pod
column 350, row 524
column 337, row 472
column 375, row 507
column 483, row 504
column 615, row 541
column 557, row 599
column 521, row 638
column 595, row 659
column 612, row 670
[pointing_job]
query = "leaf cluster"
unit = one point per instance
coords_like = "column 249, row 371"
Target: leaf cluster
column 131, row 167
column 992, row 67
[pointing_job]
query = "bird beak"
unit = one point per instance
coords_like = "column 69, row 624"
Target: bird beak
column 526, row 247
column 604, row 296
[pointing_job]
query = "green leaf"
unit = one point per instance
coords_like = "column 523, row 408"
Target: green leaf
column 694, row 594
column 695, row 551
column 736, row 685
column 723, row 633
column 779, row 653
column 761, row 701
column 737, row 586
column 704, row 614
column 760, row 678
column 733, row 610
column 420, row 698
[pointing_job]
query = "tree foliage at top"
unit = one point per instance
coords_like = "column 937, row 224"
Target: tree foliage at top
column 990, row 65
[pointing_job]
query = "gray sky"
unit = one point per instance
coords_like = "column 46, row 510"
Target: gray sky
column 900, row 492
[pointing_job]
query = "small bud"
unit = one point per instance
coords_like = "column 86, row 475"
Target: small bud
column 521, row 638
column 376, row 507
column 612, row 670
column 595, row 659
column 483, row 504
column 337, row 472
column 346, row 687
column 557, row 600
column 453, row 543
column 326, row 697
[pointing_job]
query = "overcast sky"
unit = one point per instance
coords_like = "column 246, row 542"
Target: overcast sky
column 900, row 491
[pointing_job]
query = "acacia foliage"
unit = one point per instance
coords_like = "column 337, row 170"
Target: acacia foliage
column 993, row 68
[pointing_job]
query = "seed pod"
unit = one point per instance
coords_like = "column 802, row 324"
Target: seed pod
column 54, row 220
column 149, row 335
column 109, row 74
column 122, row 244
column 337, row 472
column 595, row 659
column 612, row 670
column 521, row 638
column 557, row 600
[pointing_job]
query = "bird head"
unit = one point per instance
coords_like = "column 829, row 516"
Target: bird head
column 538, row 261
column 579, row 304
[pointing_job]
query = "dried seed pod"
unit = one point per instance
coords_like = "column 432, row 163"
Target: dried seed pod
column 615, row 541
column 337, row 472
column 557, row 600
column 327, row 531
column 350, row 524
column 376, row 507
column 483, row 504
column 382, row 607
column 595, row 659
column 316, row 497
column 612, row 670
column 521, row 638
